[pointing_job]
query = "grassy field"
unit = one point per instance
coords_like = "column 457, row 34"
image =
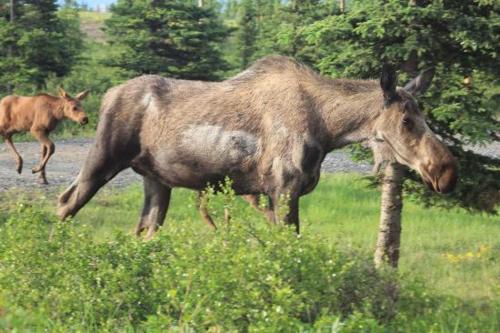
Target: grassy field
column 453, row 255
column 91, row 24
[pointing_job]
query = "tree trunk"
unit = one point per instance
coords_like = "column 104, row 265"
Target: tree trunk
column 200, row 3
column 342, row 6
column 10, row 52
column 389, row 236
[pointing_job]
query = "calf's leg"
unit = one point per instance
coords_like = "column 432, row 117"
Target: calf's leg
column 42, row 176
column 19, row 159
column 48, row 149
column 156, row 202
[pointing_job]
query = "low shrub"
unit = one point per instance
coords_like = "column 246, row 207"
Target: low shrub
column 241, row 278
column 246, row 277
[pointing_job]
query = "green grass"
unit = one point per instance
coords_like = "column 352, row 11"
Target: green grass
column 93, row 17
column 343, row 209
column 452, row 253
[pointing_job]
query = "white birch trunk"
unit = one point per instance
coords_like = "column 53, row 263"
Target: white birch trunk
column 389, row 236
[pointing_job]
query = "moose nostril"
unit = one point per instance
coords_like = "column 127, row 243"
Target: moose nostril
column 448, row 179
column 85, row 120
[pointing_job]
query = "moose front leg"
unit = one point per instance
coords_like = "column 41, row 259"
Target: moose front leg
column 48, row 149
column 286, row 208
column 156, row 202
column 19, row 159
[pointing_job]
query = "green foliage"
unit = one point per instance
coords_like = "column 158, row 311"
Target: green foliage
column 79, row 276
column 41, row 41
column 267, row 27
column 249, row 279
column 171, row 38
column 247, row 33
column 89, row 73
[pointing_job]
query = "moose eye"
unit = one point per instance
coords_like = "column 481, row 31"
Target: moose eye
column 408, row 123
column 75, row 108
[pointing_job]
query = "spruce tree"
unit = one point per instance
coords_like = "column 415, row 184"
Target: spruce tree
column 247, row 33
column 461, row 39
column 172, row 38
column 297, row 15
column 40, row 42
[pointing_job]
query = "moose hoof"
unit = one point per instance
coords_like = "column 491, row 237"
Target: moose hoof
column 35, row 170
column 19, row 169
column 62, row 212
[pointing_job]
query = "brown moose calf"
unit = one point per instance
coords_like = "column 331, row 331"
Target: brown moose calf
column 40, row 115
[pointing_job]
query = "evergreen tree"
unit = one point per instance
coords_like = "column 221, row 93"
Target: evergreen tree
column 460, row 39
column 173, row 38
column 295, row 16
column 247, row 33
column 39, row 42
column 231, row 9
column 269, row 20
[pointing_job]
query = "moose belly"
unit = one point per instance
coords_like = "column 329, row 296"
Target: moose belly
column 207, row 154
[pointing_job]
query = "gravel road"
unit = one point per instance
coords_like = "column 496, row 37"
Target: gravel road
column 70, row 154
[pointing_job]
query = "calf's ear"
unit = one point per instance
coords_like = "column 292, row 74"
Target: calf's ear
column 421, row 83
column 82, row 95
column 63, row 93
column 388, row 82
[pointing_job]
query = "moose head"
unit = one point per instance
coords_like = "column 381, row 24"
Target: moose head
column 72, row 107
column 402, row 128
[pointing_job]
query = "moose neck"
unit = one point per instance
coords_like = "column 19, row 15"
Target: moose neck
column 57, row 108
column 348, row 110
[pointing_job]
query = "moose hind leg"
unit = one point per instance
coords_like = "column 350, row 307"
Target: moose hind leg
column 19, row 159
column 267, row 210
column 42, row 176
column 202, row 203
column 156, row 202
column 96, row 172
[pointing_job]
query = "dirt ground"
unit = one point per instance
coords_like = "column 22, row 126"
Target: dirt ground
column 64, row 165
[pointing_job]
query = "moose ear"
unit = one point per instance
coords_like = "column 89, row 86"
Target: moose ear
column 388, row 82
column 421, row 83
column 81, row 96
column 63, row 93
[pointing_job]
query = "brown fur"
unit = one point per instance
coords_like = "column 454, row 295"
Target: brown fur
column 39, row 115
column 268, row 129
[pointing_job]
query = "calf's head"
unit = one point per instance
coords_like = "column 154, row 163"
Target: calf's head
column 402, row 127
column 72, row 107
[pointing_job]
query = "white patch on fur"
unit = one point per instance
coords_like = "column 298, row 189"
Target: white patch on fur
column 147, row 99
column 152, row 106
column 217, row 146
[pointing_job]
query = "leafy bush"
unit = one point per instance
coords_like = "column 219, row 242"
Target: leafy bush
column 245, row 277
column 241, row 278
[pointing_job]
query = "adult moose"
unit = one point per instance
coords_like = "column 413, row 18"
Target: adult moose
column 268, row 129
column 39, row 115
